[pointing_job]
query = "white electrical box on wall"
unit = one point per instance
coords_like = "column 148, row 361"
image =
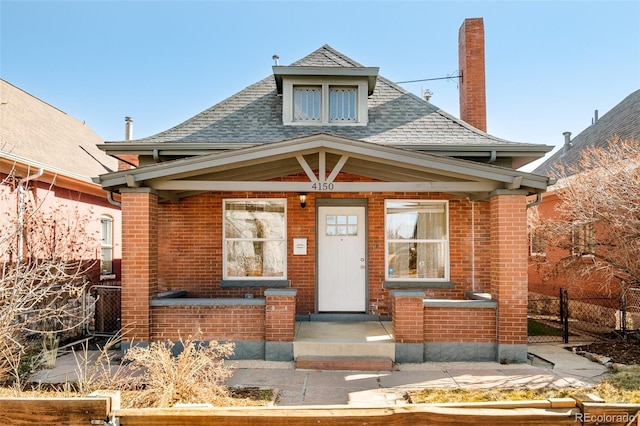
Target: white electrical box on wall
column 299, row 246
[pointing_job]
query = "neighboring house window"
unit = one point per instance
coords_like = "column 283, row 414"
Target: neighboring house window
column 254, row 238
column 583, row 239
column 537, row 243
column 417, row 240
column 106, row 245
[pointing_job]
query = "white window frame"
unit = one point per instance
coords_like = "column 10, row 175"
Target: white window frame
column 536, row 239
column 325, row 85
column 445, row 241
column 225, row 274
column 106, row 244
column 583, row 239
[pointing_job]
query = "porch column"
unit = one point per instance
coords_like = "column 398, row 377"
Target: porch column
column 280, row 324
column 139, row 262
column 509, row 272
column 407, row 315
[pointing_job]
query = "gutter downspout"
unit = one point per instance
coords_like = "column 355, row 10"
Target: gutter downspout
column 536, row 202
column 112, row 200
column 22, row 187
column 473, row 246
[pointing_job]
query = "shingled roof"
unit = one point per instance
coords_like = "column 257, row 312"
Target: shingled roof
column 35, row 133
column 396, row 117
column 623, row 121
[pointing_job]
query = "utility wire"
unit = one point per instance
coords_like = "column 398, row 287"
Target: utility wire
column 430, row 79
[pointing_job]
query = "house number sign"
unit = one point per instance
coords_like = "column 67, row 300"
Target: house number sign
column 322, row 186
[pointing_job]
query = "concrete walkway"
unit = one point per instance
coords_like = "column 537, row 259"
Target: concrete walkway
column 300, row 387
column 556, row 368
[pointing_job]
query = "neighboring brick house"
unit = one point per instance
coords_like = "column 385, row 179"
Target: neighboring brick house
column 326, row 189
column 48, row 159
column 622, row 121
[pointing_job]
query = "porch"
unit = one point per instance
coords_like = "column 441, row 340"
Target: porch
column 420, row 329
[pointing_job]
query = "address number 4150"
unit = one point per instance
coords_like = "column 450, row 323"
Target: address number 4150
column 322, row 186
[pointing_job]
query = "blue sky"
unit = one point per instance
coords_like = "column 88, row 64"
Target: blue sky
column 549, row 64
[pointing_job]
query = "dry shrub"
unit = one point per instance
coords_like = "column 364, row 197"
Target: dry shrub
column 195, row 375
column 100, row 369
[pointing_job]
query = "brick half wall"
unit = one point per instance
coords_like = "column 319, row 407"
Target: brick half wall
column 206, row 323
column 460, row 330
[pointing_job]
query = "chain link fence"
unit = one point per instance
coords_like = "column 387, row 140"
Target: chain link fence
column 577, row 313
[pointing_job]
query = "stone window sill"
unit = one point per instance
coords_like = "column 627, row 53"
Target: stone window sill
column 411, row 285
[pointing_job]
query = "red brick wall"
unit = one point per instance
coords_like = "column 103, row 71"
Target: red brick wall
column 280, row 318
column 473, row 105
column 459, row 325
column 190, row 252
column 226, row 323
column 139, row 262
column 408, row 321
column 509, row 266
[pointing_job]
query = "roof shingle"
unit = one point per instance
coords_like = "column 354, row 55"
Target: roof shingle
column 623, row 120
column 254, row 115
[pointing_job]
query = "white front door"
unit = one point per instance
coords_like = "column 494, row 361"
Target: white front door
column 341, row 259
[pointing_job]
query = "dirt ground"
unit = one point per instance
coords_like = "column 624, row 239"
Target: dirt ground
column 620, row 351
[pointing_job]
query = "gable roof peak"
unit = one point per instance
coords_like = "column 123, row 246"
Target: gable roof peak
column 326, row 56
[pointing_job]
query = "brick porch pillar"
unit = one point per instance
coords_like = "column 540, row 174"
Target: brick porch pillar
column 509, row 272
column 139, row 262
column 280, row 324
column 407, row 315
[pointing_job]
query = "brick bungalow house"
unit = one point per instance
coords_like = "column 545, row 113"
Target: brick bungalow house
column 623, row 121
column 324, row 192
column 48, row 159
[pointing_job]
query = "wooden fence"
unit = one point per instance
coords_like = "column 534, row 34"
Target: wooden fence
column 103, row 410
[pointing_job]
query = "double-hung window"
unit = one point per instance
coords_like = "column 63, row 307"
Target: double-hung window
column 106, row 245
column 417, row 240
column 254, row 238
column 537, row 243
column 583, row 239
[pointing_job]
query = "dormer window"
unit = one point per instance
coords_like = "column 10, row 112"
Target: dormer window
column 313, row 96
column 343, row 104
column 308, row 105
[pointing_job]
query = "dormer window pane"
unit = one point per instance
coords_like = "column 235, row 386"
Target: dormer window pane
column 307, row 104
column 342, row 104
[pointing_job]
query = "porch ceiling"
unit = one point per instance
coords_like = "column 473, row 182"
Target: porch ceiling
column 321, row 157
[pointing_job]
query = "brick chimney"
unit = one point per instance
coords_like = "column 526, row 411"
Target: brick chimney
column 473, row 102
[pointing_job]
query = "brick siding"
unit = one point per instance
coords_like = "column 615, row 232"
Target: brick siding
column 222, row 323
column 459, row 325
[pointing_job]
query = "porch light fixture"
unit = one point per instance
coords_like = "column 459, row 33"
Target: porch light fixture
column 303, row 200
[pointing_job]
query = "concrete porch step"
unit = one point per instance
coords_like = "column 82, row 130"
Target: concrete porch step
column 355, row 363
column 344, row 339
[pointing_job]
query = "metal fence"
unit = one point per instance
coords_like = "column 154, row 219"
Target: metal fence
column 105, row 320
column 575, row 314
column 546, row 321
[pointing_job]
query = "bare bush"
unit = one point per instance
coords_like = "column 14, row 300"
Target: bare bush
column 195, row 375
column 102, row 368
column 45, row 258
